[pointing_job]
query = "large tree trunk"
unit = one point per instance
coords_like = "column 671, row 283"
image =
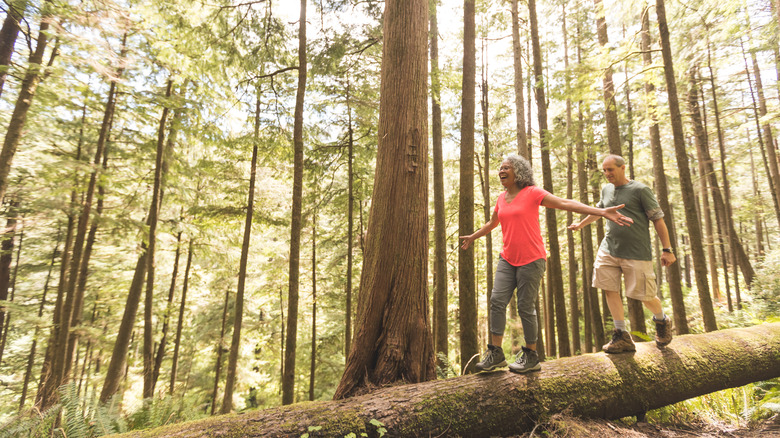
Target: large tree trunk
column 686, row 184
column 467, row 294
column 554, row 274
column 522, row 140
column 503, row 404
column 288, row 378
column 393, row 340
column 440, row 323
column 661, row 187
column 350, row 229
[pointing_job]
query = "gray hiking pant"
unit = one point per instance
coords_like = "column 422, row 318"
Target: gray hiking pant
column 526, row 280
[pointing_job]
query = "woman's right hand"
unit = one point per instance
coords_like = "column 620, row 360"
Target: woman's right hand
column 466, row 241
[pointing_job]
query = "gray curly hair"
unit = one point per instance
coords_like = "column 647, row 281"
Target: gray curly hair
column 524, row 173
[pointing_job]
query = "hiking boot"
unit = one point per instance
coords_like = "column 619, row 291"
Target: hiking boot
column 494, row 358
column 621, row 342
column 527, row 360
column 663, row 331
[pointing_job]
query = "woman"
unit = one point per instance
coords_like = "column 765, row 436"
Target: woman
column 523, row 258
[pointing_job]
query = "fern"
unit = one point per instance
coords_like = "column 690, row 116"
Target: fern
column 75, row 425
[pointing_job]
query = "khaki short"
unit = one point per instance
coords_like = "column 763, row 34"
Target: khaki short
column 639, row 274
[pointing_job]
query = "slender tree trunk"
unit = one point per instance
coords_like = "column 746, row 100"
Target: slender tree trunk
column 154, row 213
column 220, row 349
column 467, row 294
column 610, row 112
column 313, row 360
column 31, row 356
column 288, row 379
column 522, row 140
column 8, row 33
column 393, row 339
column 180, row 322
column 440, row 324
column 686, row 185
column 767, row 148
column 554, row 274
column 158, row 357
column 238, row 312
column 486, row 178
column 701, row 140
column 758, row 223
column 744, row 264
column 350, row 230
column 573, row 296
column 24, row 101
column 6, row 260
column 13, row 287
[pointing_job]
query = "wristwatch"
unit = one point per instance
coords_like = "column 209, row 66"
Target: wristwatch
column 669, row 250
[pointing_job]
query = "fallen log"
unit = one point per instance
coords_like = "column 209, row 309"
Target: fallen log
column 503, row 403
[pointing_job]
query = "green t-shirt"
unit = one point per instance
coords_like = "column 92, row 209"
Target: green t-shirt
column 630, row 242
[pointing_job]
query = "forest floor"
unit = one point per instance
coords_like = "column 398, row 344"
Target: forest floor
column 565, row 426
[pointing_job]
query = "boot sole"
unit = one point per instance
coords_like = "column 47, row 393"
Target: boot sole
column 526, row 370
column 498, row 365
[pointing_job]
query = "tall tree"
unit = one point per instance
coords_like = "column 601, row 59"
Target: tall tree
column 393, row 339
column 522, row 140
column 33, row 76
column 8, row 35
column 180, row 322
column 691, row 216
column 554, row 271
column 610, row 111
column 440, row 324
column 661, row 186
column 238, row 307
column 288, row 379
column 467, row 294
column 485, row 174
column 154, row 213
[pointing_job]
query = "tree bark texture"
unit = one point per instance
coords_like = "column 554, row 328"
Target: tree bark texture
column 674, row 274
column 180, row 322
column 686, row 184
column 238, row 308
column 393, row 339
column 554, row 272
column 502, row 403
column 8, row 35
column 522, row 139
column 288, row 378
column 440, row 323
column 610, row 112
column 24, row 101
column 467, row 293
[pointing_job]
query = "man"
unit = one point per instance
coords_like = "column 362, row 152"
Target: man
column 627, row 250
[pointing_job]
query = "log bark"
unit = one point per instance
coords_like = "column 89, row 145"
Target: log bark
column 502, row 403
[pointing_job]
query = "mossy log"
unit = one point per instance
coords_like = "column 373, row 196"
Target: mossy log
column 503, row 403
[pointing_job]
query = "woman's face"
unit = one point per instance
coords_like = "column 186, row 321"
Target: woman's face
column 506, row 173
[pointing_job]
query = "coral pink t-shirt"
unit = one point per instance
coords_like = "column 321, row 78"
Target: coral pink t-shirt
column 520, row 228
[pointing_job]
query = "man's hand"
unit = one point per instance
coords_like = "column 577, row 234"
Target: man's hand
column 612, row 214
column 667, row 258
column 575, row 226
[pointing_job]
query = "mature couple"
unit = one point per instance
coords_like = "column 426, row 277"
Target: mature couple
column 625, row 249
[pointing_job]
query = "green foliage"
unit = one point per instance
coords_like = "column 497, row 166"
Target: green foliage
column 743, row 406
column 766, row 287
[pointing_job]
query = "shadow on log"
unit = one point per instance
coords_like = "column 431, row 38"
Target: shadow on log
column 503, row 403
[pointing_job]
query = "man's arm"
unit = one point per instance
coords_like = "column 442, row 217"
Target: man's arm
column 488, row 227
column 611, row 213
column 667, row 257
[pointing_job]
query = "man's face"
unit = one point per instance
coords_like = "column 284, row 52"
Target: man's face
column 613, row 173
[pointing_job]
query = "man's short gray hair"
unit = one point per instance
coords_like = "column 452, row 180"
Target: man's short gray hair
column 619, row 161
